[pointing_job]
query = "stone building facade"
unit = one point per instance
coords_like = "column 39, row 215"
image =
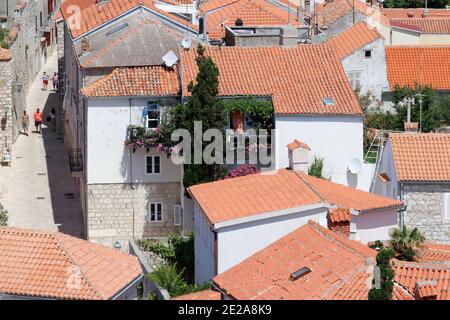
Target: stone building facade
column 29, row 51
column 6, row 99
column 119, row 212
column 425, row 210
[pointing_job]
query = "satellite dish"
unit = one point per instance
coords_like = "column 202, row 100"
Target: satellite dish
column 186, row 43
column 170, row 58
column 354, row 166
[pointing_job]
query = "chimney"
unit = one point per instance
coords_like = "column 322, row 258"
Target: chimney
column 339, row 221
column 289, row 36
column 426, row 290
column 203, row 28
column 85, row 45
column 298, row 153
column 411, row 127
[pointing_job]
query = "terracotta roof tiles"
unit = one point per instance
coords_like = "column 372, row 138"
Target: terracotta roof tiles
column 251, row 12
column 354, row 38
column 201, row 295
column 136, row 81
column 421, row 157
column 283, row 189
column 407, row 65
column 5, row 54
column 415, row 13
column 58, row 266
column 297, row 144
column 409, row 274
column 426, row 26
column 434, row 253
column 337, row 215
column 92, row 16
column 339, row 269
column 298, row 79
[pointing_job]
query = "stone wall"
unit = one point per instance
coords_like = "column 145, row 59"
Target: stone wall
column 61, row 72
column 426, row 210
column 6, row 103
column 112, row 208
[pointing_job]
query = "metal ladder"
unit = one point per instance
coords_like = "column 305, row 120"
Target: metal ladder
column 375, row 152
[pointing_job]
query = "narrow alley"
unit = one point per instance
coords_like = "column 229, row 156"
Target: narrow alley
column 37, row 189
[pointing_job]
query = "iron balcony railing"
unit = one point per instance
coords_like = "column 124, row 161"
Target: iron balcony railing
column 75, row 160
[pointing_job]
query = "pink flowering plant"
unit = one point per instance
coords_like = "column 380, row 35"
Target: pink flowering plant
column 140, row 137
column 242, row 170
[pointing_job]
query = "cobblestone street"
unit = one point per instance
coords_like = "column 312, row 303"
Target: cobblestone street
column 38, row 190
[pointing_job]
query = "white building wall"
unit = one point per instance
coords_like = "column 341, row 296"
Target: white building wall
column 203, row 247
column 374, row 226
column 373, row 70
column 404, row 37
column 387, row 165
column 109, row 160
column 237, row 243
column 337, row 139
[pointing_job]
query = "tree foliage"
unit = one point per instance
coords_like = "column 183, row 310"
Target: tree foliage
column 316, row 167
column 384, row 292
column 260, row 112
column 405, row 242
column 415, row 3
column 242, row 170
column 204, row 106
column 3, row 216
column 168, row 276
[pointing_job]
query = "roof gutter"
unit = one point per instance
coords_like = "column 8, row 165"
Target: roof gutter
column 127, row 287
column 398, row 208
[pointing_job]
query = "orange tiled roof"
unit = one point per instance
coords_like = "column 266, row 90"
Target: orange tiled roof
column 347, row 197
column 251, row 12
column 407, row 65
column 401, row 13
column 339, row 269
column 409, row 274
column 354, row 38
column 426, row 289
column 399, row 293
column 426, row 26
column 329, row 13
column 337, row 215
column 297, row 144
column 136, row 81
column 298, row 79
column 246, row 196
column 55, row 265
column 5, row 54
column 434, row 253
column 201, row 295
column 421, row 157
column 92, row 16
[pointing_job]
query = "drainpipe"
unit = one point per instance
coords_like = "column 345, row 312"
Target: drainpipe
column 216, row 255
column 131, row 174
column 402, row 211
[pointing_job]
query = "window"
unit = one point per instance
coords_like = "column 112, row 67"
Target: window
column 155, row 212
column 153, row 116
column 177, row 215
column 368, row 54
column 328, row 101
column 447, row 206
column 355, row 79
column 153, row 165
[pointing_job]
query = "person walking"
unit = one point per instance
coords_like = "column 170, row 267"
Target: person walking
column 55, row 81
column 53, row 119
column 25, row 123
column 45, row 78
column 38, row 120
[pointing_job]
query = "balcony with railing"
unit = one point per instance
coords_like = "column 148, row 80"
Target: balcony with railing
column 76, row 160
